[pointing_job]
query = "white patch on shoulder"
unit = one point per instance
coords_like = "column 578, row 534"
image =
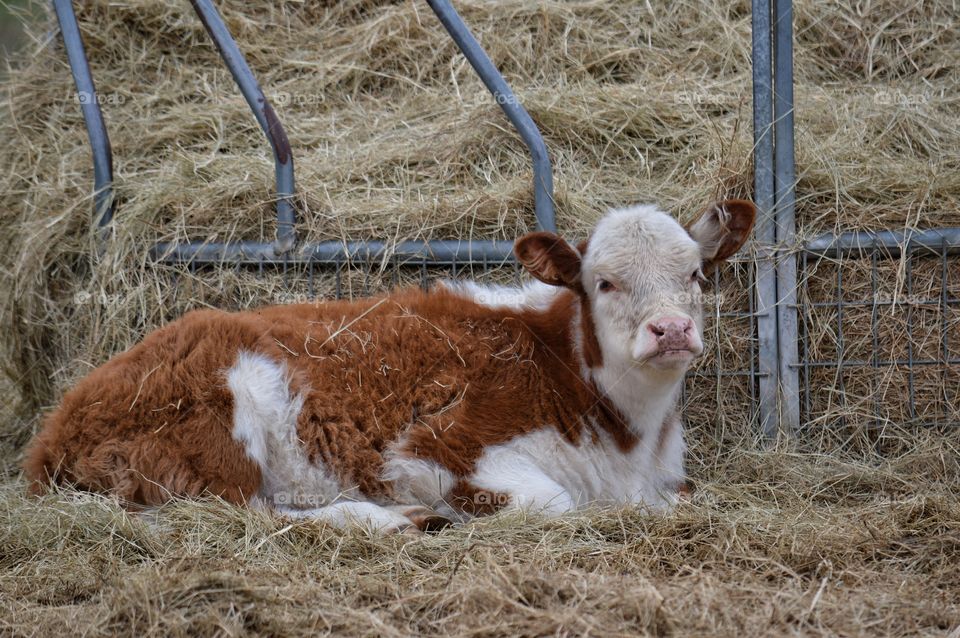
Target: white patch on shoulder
column 533, row 295
column 265, row 423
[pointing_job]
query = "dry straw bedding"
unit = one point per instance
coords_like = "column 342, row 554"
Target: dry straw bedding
column 773, row 543
column 849, row 530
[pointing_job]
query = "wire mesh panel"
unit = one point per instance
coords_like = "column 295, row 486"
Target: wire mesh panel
column 880, row 338
column 241, row 285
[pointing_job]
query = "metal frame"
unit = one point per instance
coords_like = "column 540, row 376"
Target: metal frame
column 285, row 248
column 786, row 181
column 891, row 242
column 782, row 402
column 765, row 229
column 775, row 196
column 437, row 252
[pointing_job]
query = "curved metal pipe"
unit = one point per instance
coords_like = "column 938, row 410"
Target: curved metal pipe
column 266, row 117
column 521, row 120
column 103, row 203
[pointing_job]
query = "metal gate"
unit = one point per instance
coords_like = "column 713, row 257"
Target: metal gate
column 780, row 362
column 809, row 375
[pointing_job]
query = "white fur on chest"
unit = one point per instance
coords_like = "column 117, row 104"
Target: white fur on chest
column 542, row 470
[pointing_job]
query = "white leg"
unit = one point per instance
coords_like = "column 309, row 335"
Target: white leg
column 543, row 496
column 346, row 514
column 502, row 470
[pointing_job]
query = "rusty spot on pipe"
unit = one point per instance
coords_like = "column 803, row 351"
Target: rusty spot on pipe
column 278, row 136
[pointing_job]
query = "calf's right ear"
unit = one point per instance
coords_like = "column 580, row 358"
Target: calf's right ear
column 550, row 259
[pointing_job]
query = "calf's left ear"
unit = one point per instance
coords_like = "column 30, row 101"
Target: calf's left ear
column 723, row 228
column 549, row 258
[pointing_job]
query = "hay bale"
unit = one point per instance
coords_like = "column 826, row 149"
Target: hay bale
column 394, row 137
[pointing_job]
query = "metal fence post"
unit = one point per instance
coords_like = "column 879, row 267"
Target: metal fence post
column 785, row 179
column 766, row 284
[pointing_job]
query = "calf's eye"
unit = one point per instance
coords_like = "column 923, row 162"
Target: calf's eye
column 605, row 286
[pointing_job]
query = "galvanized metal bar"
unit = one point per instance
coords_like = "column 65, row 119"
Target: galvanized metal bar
column 879, row 304
column 890, row 243
column 944, row 322
column 437, row 252
column 944, row 325
column 753, row 344
column 366, row 279
column 765, row 228
column 338, row 287
column 944, row 301
column 785, row 180
column 724, row 374
column 503, row 95
column 266, row 117
column 103, row 203
column 862, row 363
column 716, row 311
column 805, row 340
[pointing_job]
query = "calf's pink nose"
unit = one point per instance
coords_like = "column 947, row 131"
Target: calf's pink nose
column 673, row 333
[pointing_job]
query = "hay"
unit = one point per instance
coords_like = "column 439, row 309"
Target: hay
column 770, row 545
column 848, row 529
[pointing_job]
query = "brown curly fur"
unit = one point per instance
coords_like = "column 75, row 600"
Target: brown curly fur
column 446, row 374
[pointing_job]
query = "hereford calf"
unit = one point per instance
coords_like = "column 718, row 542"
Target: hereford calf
column 417, row 408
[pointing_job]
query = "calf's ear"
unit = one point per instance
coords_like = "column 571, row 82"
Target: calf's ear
column 549, row 258
column 723, row 228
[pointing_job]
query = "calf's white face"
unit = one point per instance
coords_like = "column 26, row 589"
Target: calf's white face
column 641, row 272
column 640, row 275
